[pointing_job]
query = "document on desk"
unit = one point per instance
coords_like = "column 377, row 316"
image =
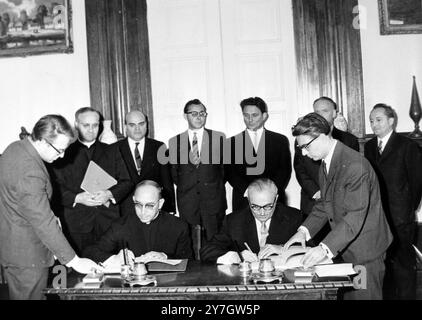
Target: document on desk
column 96, row 179
column 335, row 270
column 291, row 258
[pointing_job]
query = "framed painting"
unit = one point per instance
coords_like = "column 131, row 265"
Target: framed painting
column 35, row 27
column 400, row 16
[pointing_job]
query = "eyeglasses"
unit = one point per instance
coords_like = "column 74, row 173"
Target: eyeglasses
column 57, row 150
column 266, row 208
column 306, row 145
column 196, row 113
column 147, row 206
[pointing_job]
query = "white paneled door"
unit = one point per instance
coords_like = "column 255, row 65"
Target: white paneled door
column 222, row 51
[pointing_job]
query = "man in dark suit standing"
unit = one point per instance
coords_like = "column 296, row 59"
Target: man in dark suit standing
column 257, row 153
column 30, row 234
column 397, row 160
column 146, row 231
column 307, row 169
column 140, row 156
column 196, row 158
column 264, row 225
column 350, row 202
column 87, row 216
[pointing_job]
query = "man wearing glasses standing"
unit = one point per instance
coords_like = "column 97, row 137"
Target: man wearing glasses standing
column 196, row 160
column 350, row 202
column 30, row 234
column 87, row 216
column 264, row 225
column 146, row 231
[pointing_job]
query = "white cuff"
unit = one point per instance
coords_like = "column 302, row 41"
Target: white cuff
column 306, row 231
column 327, row 250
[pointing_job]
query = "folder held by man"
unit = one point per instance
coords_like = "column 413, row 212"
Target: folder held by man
column 96, row 179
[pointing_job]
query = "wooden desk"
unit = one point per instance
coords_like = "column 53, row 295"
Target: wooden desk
column 202, row 282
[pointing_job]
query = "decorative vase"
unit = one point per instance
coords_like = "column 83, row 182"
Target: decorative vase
column 108, row 135
column 415, row 111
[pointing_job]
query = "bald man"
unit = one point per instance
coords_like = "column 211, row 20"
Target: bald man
column 140, row 156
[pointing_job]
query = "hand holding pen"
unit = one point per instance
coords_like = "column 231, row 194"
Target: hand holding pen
column 248, row 254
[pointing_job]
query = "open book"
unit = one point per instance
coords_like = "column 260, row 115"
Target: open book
column 291, row 258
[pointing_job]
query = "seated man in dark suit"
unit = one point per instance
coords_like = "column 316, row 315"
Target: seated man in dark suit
column 264, row 225
column 146, row 231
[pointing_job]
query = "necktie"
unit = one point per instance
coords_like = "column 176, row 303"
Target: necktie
column 324, row 168
column 138, row 158
column 255, row 140
column 195, row 151
column 380, row 147
column 264, row 234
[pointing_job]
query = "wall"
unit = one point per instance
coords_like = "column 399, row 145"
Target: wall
column 389, row 62
column 34, row 86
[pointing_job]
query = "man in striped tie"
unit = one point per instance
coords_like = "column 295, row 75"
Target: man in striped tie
column 196, row 160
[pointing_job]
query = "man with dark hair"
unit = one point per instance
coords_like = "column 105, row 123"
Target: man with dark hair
column 30, row 234
column 146, row 231
column 350, row 202
column 140, row 155
column 397, row 160
column 257, row 153
column 196, row 160
column 264, row 225
column 87, row 216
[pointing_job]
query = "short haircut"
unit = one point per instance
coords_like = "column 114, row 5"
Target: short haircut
column 262, row 184
column 137, row 110
column 311, row 125
column 254, row 101
column 193, row 102
column 389, row 112
column 329, row 100
column 85, row 110
column 50, row 126
column 150, row 183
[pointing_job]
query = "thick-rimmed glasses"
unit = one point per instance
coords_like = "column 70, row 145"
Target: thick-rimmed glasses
column 59, row 152
column 267, row 208
column 306, row 145
column 196, row 113
column 148, row 206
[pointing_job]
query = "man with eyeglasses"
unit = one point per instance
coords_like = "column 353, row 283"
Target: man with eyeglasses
column 147, row 232
column 196, row 161
column 350, row 202
column 140, row 154
column 257, row 153
column 30, row 234
column 264, row 226
column 87, row 216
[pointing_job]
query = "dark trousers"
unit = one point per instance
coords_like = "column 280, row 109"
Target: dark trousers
column 26, row 283
column 400, row 280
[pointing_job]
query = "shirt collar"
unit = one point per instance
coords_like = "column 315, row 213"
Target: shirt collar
column 258, row 132
column 199, row 133
column 132, row 142
column 385, row 139
column 329, row 156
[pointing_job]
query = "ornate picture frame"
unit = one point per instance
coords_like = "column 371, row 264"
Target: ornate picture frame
column 35, row 27
column 400, row 16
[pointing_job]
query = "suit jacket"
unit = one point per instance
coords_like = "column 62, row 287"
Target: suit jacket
column 151, row 169
column 29, row 232
column 169, row 235
column 68, row 175
column 272, row 160
column 400, row 176
column 240, row 227
column 307, row 170
column 201, row 193
column 351, row 203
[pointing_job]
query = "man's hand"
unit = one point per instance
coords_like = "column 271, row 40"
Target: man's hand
column 298, row 237
column 84, row 265
column 102, row 196
column 317, row 195
column 313, row 256
column 151, row 256
column 249, row 256
column 270, row 249
column 87, row 199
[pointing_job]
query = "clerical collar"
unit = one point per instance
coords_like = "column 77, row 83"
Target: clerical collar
column 87, row 144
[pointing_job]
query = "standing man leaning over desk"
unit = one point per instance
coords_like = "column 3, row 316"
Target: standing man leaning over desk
column 350, row 202
column 88, row 216
column 29, row 232
column 397, row 160
column 264, row 225
column 140, row 156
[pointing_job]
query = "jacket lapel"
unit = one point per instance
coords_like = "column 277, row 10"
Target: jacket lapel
column 127, row 156
column 251, row 232
column 332, row 170
column 389, row 147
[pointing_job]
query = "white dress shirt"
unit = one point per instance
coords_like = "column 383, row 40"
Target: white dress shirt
column 258, row 134
column 199, row 136
column 258, row 227
column 141, row 148
column 384, row 140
